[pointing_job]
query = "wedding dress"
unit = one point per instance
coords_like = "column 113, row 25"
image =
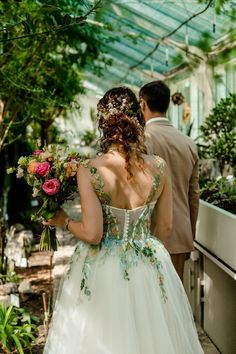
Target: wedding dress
column 124, row 295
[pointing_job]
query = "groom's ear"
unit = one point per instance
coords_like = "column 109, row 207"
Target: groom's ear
column 142, row 104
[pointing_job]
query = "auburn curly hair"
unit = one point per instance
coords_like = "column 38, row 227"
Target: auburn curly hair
column 122, row 124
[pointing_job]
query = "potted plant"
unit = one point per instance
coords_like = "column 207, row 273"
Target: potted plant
column 217, row 220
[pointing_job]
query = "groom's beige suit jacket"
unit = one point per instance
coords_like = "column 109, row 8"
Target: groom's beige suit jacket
column 180, row 154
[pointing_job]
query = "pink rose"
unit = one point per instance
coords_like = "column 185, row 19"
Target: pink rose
column 38, row 152
column 51, row 186
column 43, row 168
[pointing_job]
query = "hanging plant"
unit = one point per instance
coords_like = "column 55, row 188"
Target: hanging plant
column 177, row 98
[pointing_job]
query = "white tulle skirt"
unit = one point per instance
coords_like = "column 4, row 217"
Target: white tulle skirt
column 122, row 316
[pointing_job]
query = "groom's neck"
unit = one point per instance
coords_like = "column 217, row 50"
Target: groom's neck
column 151, row 115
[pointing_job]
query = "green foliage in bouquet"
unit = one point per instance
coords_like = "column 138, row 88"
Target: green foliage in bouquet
column 18, row 329
column 51, row 173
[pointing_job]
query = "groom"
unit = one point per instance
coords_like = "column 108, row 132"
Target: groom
column 180, row 154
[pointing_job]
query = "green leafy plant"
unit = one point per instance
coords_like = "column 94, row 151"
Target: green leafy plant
column 219, row 134
column 187, row 128
column 205, row 42
column 18, row 329
column 46, row 46
column 221, row 193
column 218, row 142
column 88, row 138
column 9, row 277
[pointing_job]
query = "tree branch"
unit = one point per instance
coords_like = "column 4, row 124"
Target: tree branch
column 30, row 60
column 79, row 20
column 7, row 127
column 12, row 141
column 6, row 105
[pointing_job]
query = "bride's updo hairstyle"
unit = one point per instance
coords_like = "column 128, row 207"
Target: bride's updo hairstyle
column 121, row 124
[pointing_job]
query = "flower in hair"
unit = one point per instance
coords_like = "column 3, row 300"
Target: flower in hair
column 123, row 104
column 113, row 111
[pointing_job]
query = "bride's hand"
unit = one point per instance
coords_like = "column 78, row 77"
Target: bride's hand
column 58, row 220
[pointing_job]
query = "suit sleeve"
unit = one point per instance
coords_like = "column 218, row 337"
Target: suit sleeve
column 194, row 197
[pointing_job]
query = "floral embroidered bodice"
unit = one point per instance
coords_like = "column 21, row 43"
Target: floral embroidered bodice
column 125, row 226
column 126, row 232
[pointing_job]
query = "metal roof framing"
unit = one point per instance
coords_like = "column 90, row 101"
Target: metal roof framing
column 148, row 22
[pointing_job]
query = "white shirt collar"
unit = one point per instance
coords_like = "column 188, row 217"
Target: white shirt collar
column 158, row 119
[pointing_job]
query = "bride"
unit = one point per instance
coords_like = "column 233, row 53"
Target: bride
column 121, row 294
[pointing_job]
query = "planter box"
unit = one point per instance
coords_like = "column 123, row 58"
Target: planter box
column 216, row 232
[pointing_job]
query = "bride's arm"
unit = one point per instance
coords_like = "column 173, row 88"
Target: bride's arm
column 162, row 215
column 90, row 228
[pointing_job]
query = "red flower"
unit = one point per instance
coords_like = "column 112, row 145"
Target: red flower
column 38, row 152
column 43, row 168
column 51, row 186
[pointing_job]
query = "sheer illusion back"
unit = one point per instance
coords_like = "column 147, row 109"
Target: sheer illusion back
column 127, row 224
column 123, row 296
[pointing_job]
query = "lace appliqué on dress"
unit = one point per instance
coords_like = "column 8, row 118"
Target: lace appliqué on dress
column 131, row 241
column 98, row 184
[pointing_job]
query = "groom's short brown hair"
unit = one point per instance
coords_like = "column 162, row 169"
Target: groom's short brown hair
column 157, row 96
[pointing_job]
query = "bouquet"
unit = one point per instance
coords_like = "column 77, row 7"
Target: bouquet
column 51, row 173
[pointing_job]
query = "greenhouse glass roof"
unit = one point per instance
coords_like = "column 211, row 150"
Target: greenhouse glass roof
column 151, row 38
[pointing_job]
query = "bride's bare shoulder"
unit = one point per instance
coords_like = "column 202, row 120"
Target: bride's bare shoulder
column 104, row 160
